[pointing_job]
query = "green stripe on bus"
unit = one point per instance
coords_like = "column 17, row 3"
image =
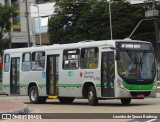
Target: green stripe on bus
column 26, row 85
column 6, row 85
column 74, row 85
column 98, row 85
column 70, row 85
column 60, row 85
column 42, row 85
column 138, row 87
column 23, row 85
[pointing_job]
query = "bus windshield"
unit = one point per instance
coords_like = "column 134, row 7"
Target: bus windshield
column 136, row 64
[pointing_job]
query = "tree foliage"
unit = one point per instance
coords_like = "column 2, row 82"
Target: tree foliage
column 5, row 25
column 78, row 20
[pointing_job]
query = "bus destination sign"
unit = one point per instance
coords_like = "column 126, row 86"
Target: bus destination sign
column 134, row 46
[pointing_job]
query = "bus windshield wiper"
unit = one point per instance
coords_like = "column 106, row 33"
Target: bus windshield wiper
column 131, row 56
column 134, row 58
column 141, row 58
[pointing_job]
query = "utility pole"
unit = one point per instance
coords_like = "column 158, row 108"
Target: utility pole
column 27, row 23
column 152, row 12
column 39, row 19
column 156, row 24
column 155, row 13
column 110, row 18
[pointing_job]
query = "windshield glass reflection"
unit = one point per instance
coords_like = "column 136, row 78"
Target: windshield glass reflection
column 136, row 65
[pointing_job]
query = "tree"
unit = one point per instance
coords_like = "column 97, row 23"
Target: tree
column 63, row 26
column 78, row 20
column 5, row 25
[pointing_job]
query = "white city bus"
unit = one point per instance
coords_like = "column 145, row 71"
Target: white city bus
column 95, row 70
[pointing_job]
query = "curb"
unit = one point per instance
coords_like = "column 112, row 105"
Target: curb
column 11, row 98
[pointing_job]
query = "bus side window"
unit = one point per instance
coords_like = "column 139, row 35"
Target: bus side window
column 6, row 62
column 89, row 58
column 71, row 59
column 26, row 62
column 38, row 60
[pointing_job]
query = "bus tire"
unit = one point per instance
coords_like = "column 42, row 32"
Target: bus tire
column 125, row 101
column 43, row 99
column 34, row 96
column 92, row 97
column 64, row 100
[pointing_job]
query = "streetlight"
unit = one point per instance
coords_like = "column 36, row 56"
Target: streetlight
column 110, row 18
column 40, row 41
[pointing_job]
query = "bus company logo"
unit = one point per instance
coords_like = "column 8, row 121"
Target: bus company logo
column 70, row 74
column 81, row 74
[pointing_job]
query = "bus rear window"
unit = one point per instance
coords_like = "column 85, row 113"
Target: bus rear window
column 6, row 62
column 26, row 62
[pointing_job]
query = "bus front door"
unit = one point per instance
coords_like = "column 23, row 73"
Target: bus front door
column 52, row 74
column 14, row 73
column 107, row 74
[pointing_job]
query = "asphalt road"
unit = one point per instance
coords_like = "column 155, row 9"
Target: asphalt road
column 149, row 105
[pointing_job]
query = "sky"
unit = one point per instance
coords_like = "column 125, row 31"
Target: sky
column 138, row 1
column 44, row 9
column 135, row 1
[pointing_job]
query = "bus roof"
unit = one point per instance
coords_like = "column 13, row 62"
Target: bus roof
column 83, row 44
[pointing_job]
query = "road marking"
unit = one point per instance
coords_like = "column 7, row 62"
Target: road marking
column 151, row 120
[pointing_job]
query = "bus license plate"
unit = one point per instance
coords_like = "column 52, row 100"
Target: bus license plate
column 140, row 95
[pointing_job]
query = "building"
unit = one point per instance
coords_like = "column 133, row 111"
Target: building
column 19, row 37
column 40, row 15
column 19, row 27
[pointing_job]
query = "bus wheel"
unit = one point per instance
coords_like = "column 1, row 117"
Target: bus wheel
column 34, row 96
column 66, row 99
column 43, row 99
column 92, row 98
column 125, row 101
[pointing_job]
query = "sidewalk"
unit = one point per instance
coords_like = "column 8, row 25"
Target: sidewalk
column 8, row 104
column 13, row 107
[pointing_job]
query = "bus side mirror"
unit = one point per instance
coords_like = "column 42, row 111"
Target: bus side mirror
column 117, row 55
column 117, row 52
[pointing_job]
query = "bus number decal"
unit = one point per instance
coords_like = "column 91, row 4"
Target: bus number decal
column 81, row 74
column 97, row 78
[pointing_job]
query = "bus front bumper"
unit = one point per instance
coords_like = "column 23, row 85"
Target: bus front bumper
column 137, row 94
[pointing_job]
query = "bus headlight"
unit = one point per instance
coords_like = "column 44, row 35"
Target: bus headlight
column 121, row 85
column 154, row 86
